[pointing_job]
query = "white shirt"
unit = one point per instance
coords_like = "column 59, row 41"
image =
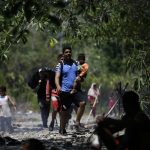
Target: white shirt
column 4, row 107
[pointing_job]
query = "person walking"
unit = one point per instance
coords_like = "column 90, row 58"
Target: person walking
column 66, row 73
column 55, row 100
column 93, row 93
column 43, row 99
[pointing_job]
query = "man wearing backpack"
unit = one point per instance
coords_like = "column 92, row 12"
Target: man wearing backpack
column 66, row 74
column 43, row 101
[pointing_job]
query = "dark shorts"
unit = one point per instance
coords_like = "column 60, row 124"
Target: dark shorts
column 66, row 100
column 80, row 96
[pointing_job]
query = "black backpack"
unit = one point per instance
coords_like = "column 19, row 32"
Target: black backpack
column 33, row 76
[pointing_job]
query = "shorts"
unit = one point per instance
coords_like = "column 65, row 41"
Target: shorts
column 80, row 96
column 66, row 100
column 55, row 102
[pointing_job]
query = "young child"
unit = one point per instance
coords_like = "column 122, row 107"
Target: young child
column 5, row 114
column 82, row 72
column 55, row 102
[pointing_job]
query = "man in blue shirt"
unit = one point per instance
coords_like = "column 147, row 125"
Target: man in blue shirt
column 66, row 73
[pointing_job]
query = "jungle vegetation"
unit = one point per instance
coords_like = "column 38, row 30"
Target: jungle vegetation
column 114, row 35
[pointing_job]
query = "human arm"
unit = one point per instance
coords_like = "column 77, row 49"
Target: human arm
column 57, row 81
column 84, row 70
column 114, row 125
column 12, row 102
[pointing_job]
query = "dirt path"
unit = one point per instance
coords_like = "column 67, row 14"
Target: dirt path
column 29, row 126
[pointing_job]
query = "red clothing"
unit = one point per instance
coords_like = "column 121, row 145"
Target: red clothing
column 111, row 103
column 55, row 100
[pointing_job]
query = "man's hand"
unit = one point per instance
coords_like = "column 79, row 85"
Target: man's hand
column 58, row 89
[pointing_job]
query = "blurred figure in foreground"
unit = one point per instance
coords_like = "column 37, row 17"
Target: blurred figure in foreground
column 135, row 123
column 32, row 144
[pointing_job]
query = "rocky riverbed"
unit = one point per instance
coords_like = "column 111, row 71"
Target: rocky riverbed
column 28, row 125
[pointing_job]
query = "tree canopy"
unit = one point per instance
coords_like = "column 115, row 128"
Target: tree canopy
column 100, row 20
column 119, row 30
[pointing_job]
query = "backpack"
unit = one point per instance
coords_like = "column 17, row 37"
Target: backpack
column 33, row 76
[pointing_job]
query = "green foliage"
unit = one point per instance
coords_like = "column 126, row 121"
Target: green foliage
column 110, row 32
column 101, row 20
column 138, row 64
column 21, row 59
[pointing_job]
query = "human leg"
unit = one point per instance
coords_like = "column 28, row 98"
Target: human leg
column 66, row 101
column 80, row 99
column 80, row 112
column 2, row 123
column 63, row 121
column 8, row 124
column 94, row 111
column 51, row 127
column 55, row 103
column 44, row 107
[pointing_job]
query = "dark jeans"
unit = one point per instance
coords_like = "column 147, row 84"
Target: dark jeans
column 5, row 124
column 44, row 108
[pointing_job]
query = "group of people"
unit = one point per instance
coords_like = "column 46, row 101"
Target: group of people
column 59, row 88
column 65, row 91
column 62, row 88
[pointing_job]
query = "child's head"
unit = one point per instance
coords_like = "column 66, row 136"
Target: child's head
column 81, row 58
column 60, row 57
column 2, row 90
column 33, row 144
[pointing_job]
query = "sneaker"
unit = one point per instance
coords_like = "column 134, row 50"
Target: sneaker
column 51, row 126
column 63, row 132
